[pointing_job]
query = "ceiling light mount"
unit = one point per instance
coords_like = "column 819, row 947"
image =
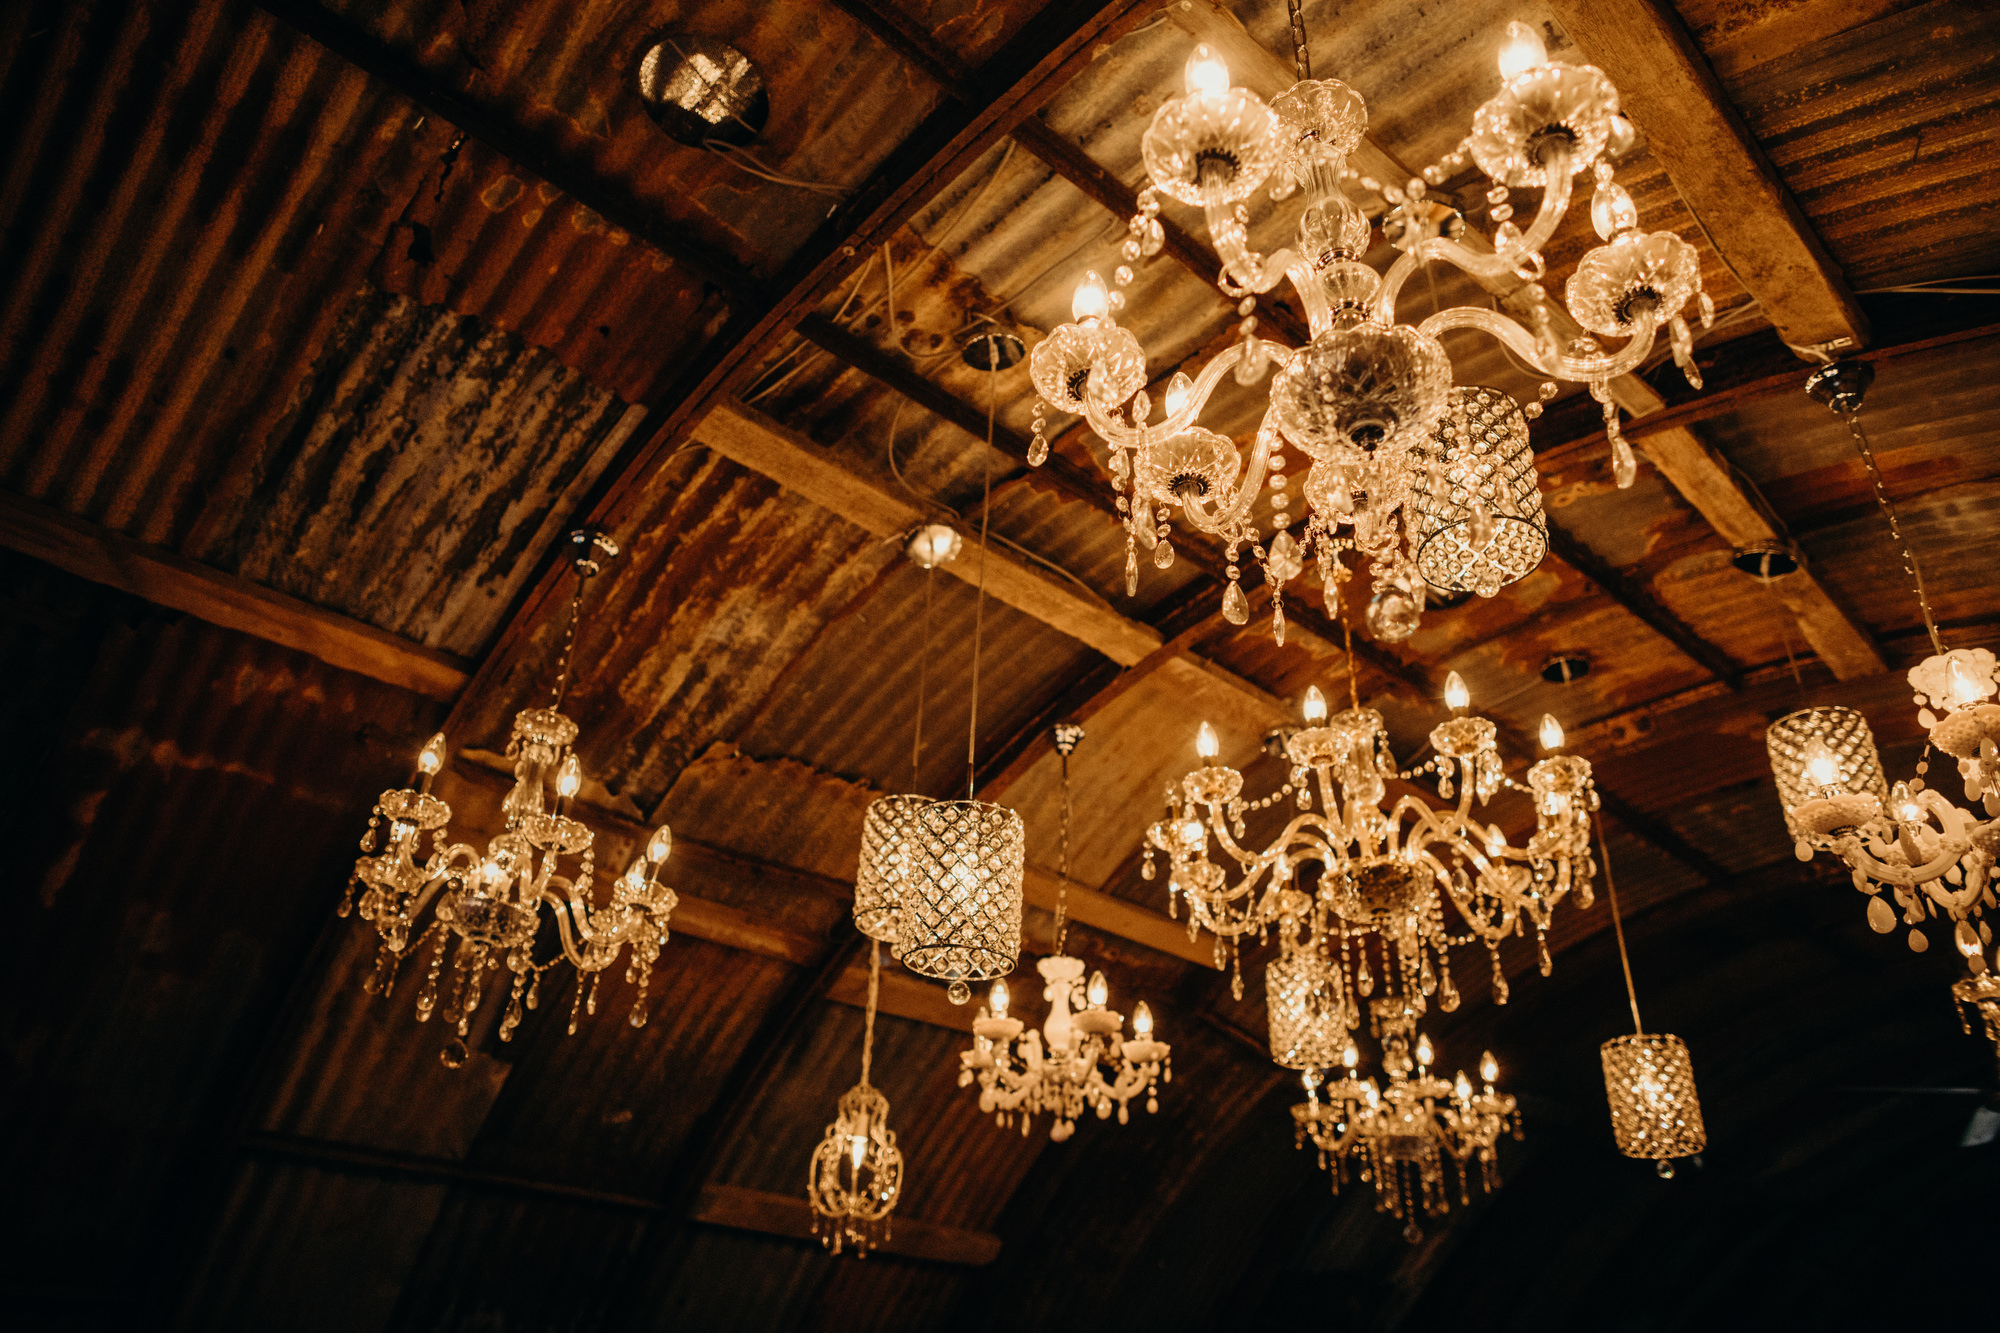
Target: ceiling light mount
column 1765, row 561
column 1563, row 668
column 993, row 350
column 702, row 90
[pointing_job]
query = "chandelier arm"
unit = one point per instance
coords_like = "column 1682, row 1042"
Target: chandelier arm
column 1249, row 486
column 1143, row 436
column 562, row 909
column 1502, row 261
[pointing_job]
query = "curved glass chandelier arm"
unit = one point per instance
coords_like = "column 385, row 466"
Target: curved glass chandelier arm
column 1523, row 343
column 1229, row 516
column 1142, row 436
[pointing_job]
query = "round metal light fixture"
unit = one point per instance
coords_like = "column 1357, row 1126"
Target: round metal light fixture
column 992, row 351
column 700, row 89
column 1565, row 667
column 1765, row 561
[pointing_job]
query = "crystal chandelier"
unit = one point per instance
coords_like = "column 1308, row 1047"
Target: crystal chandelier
column 1648, row 1076
column 958, row 915
column 1393, row 458
column 495, row 905
column 1385, row 875
column 1934, row 857
column 1079, row 1059
column 856, row 1176
column 1403, row 1132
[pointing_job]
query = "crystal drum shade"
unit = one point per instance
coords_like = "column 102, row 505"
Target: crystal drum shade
column 1828, row 772
column 889, row 833
column 1476, row 499
column 1302, row 990
column 1654, row 1110
column 961, row 910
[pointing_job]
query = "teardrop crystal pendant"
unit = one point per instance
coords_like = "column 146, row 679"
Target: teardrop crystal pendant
column 1235, row 606
column 1163, row 555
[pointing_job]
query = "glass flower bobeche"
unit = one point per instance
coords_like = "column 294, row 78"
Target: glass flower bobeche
column 1368, row 402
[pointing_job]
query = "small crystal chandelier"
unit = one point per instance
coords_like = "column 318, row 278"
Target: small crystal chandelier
column 1648, row 1076
column 1386, row 874
column 1426, row 482
column 856, row 1176
column 1934, row 857
column 959, row 900
column 1079, row 1059
column 1403, row 1133
column 495, row 905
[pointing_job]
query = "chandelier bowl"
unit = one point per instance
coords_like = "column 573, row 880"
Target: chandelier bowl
column 1570, row 105
column 1361, row 390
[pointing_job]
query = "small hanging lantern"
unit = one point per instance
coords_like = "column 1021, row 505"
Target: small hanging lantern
column 1477, row 521
column 1302, row 990
column 961, row 913
column 856, row 1176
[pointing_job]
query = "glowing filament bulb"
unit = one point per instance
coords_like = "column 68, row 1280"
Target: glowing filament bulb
column 1000, row 998
column 1552, row 732
column 1350, row 1057
column 431, row 758
column 1179, row 389
column 1524, row 50
column 635, row 874
column 1821, row 767
column 1191, row 832
column 661, row 845
column 1424, row 1051
column 857, row 1149
column 1205, row 72
column 1907, row 809
column 1456, row 696
column 1090, row 301
column 1489, row 1068
column 1463, row 1087
column 1142, row 1022
column 1315, row 708
column 1966, row 686
column 569, row 778
column 1098, row 991
column 1496, row 843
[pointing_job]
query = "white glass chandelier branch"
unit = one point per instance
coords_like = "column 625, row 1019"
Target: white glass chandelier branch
column 1503, row 261
column 1927, row 853
column 1524, row 344
column 1233, row 508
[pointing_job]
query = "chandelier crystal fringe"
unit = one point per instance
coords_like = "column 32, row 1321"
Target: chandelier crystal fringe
column 855, row 1179
column 1933, row 857
column 1368, row 402
column 1080, row 1059
column 495, row 906
column 1648, row 1076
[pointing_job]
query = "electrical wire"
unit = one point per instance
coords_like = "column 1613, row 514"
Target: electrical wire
column 1618, row 923
column 746, row 161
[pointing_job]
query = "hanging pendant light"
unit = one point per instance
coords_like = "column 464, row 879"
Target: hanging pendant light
column 960, row 918
column 855, row 1179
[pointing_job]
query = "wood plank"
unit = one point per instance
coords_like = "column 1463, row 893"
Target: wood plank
column 904, row 994
column 1116, row 916
column 789, row 1215
column 170, row 580
column 1666, row 86
column 747, row 437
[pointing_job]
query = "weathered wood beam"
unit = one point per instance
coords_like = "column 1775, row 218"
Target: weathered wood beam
column 1637, row 602
column 1666, row 86
column 790, row 1216
column 747, row 437
column 173, row 581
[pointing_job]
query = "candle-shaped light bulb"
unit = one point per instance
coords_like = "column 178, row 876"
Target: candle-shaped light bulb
column 1179, row 389
column 569, row 778
column 1142, row 1022
column 1523, row 50
column 1904, row 804
column 1966, row 686
column 1315, row 708
column 1424, row 1052
column 1191, row 832
column 1456, row 696
column 1462, row 1086
column 1098, row 991
column 1000, row 998
column 1821, row 767
column 857, row 1149
column 1374, row 1094
column 1310, row 1079
column 635, row 874
column 661, row 845
column 1350, row 1057
column 1552, row 732
column 431, row 758
column 1206, row 743
column 1090, row 302
column 1489, row 1068
column 1205, row 72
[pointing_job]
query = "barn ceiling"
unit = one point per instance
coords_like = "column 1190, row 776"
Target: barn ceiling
column 322, row 321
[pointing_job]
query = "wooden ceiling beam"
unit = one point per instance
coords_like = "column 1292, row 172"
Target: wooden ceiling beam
column 1666, row 86
column 173, row 581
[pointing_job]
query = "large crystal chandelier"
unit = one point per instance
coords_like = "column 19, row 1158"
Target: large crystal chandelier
column 855, row 1179
column 495, row 905
column 1934, row 858
column 1403, row 1132
column 1385, row 876
column 1079, row 1059
column 1392, row 455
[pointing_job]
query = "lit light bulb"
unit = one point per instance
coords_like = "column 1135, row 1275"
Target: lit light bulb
column 1090, row 302
column 1142, row 1022
column 934, row 544
column 1424, row 1051
column 1455, row 694
column 1350, row 1057
column 431, row 758
column 635, row 874
column 1310, row 1078
column 1552, row 732
column 1179, row 389
column 857, row 1149
column 1907, row 809
column 492, row 872
column 1463, row 1087
column 1206, row 743
column 1098, row 992
column 661, row 845
column 999, row 998
column 1374, row 1094
column 1315, row 705
column 1191, row 832
column 1489, row 1068
column 1821, row 767
column 1524, row 50
column 1205, row 72
column 1496, row 842
column 1612, row 211
column 1966, row 686
column 569, row 778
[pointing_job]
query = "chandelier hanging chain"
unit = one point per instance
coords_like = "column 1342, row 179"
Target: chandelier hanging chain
column 1301, row 60
column 923, row 673
column 979, row 611
column 1062, row 863
column 1347, row 636
column 569, row 639
column 868, row 1015
column 1617, row 921
column 1888, row 507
